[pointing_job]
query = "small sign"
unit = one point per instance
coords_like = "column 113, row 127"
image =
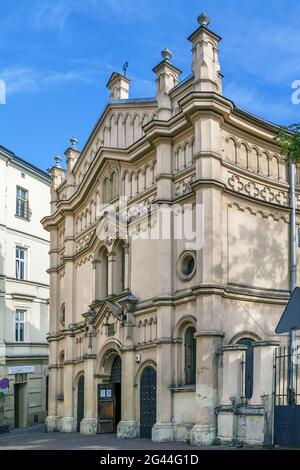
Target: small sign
column 21, row 369
column 4, row 383
column 290, row 319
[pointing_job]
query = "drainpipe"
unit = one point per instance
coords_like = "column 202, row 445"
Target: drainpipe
column 293, row 272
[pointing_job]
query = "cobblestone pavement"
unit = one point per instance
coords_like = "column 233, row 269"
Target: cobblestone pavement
column 35, row 437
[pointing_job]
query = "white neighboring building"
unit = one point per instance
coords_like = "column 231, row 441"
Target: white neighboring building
column 24, row 290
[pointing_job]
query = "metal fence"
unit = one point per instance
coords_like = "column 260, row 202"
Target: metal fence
column 287, row 378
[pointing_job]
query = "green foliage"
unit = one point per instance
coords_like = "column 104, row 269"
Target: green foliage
column 187, row 439
column 288, row 139
column 216, row 442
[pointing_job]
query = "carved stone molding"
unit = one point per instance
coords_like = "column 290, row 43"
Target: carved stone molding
column 257, row 191
column 265, row 214
column 184, row 186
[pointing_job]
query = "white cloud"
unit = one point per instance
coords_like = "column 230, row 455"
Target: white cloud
column 56, row 13
column 252, row 100
column 24, row 79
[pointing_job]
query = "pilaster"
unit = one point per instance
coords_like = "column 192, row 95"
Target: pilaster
column 207, row 345
column 127, row 427
column 89, row 424
column 164, row 178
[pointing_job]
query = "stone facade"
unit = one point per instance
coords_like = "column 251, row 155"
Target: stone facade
column 126, row 292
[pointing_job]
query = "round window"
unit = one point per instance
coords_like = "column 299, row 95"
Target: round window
column 187, row 265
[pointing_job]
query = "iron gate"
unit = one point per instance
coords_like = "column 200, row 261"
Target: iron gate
column 147, row 402
column 286, row 398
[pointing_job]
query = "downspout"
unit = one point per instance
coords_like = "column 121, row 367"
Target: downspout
column 293, row 273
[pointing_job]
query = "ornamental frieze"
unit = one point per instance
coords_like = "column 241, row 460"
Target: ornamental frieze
column 184, row 186
column 257, row 191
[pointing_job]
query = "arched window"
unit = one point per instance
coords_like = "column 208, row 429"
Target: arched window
column 248, row 366
column 114, row 185
column 119, row 267
column 107, row 190
column 111, row 187
column 62, row 317
column 102, row 274
column 190, row 356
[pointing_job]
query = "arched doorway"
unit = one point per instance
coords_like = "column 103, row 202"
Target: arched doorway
column 147, row 402
column 115, row 379
column 109, row 399
column 80, row 402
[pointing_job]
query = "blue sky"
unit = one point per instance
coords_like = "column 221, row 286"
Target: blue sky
column 56, row 57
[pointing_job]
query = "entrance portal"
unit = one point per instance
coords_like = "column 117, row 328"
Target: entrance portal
column 109, row 400
column 147, row 402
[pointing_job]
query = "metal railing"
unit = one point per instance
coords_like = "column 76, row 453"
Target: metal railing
column 286, row 393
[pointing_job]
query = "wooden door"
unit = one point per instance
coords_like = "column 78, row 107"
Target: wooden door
column 105, row 408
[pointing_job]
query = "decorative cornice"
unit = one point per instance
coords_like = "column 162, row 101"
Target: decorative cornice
column 209, row 333
column 263, row 213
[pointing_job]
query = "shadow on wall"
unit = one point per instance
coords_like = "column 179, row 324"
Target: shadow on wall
column 258, row 255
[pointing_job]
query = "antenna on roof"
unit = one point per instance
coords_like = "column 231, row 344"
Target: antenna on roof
column 125, row 67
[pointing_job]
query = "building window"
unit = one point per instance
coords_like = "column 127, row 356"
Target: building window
column 248, row 367
column 110, row 187
column 102, row 274
column 20, row 325
column 190, row 356
column 187, row 265
column 22, row 206
column 20, row 378
column 62, row 315
column 20, row 262
column 110, row 329
column 119, row 267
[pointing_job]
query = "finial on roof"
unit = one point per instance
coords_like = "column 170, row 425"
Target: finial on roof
column 57, row 159
column 74, row 142
column 166, row 54
column 125, row 67
column 203, row 19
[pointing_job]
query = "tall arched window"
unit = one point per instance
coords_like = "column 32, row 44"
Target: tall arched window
column 62, row 316
column 107, row 190
column 190, row 356
column 248, row 366
column 111, row 187
column 119, row 267
column 102, row 274
column 114, row 185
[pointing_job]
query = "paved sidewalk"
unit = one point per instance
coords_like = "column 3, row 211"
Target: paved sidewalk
column 35, row 438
